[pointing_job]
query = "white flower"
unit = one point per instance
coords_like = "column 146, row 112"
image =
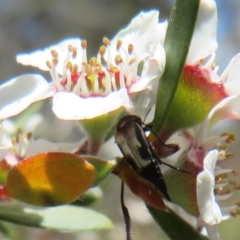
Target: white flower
column 84, row 89
column 205, row 99
column 214, row 184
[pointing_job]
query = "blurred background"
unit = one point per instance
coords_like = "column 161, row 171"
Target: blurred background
column 27, row 25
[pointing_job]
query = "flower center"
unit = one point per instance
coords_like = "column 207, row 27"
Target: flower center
column 113, row 68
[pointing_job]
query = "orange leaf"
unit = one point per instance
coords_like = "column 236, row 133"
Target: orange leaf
column 50, row 179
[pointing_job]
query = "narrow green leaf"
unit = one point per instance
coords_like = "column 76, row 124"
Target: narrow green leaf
column 66, row 218
column 174, row 226
column 178, row 38
column 8, row 231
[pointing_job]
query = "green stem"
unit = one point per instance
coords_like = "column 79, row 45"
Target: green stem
column 177, row 42
column 174, row 226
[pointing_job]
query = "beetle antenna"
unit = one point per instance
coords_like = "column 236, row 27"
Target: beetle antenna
column 127, row 219
column 147, row 115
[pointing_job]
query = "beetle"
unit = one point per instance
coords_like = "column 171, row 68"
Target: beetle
column 132, row 141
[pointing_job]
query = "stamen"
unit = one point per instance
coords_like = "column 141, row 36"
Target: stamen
column 228, row 137
column 108, row 82
column 107, row 42
column 56, row 80
column 84, row 52
column 220, row 172
column 55, row 62
column 69, row 79
column 82, row 85
column 95, row 82
column 74, row 52
column 121, row 76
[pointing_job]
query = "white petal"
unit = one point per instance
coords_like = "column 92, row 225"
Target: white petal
column 69, row 106
column 152, row 70
column 230, row 76
column 209, row 209
column 18, row 93
column 38, row 58
column 42, row 146
column 141, row 32
column 212, row 231
column 227, row 108
column 204, row 36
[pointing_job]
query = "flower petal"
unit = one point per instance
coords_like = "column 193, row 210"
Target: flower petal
column 38, row 58
column 42, row 146
column 18, row 93
column 141, row 32
column 227, row 108
column 231, row 76
column 209, row 209
column 69, row 106
column 204, row 36
column 152, row 70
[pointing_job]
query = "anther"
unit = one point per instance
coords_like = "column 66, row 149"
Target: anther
column 118, row 59
column 49, row 64
column 130, row 49
column 75, row 68
column 93, row 61
column 106, row 41
column 102, row 50
column 54, row 53
column 84, row 44
column 119, row 44
column 69, row 66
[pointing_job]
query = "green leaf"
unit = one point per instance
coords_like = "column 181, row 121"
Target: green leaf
column 178, row 38
column 103, row 167
column 8, row 231
column 66, row 218
column 174, row 226
column 91, row 196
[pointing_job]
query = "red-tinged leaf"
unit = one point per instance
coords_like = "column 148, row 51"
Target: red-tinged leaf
column 139, row 186
column 50, row 179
